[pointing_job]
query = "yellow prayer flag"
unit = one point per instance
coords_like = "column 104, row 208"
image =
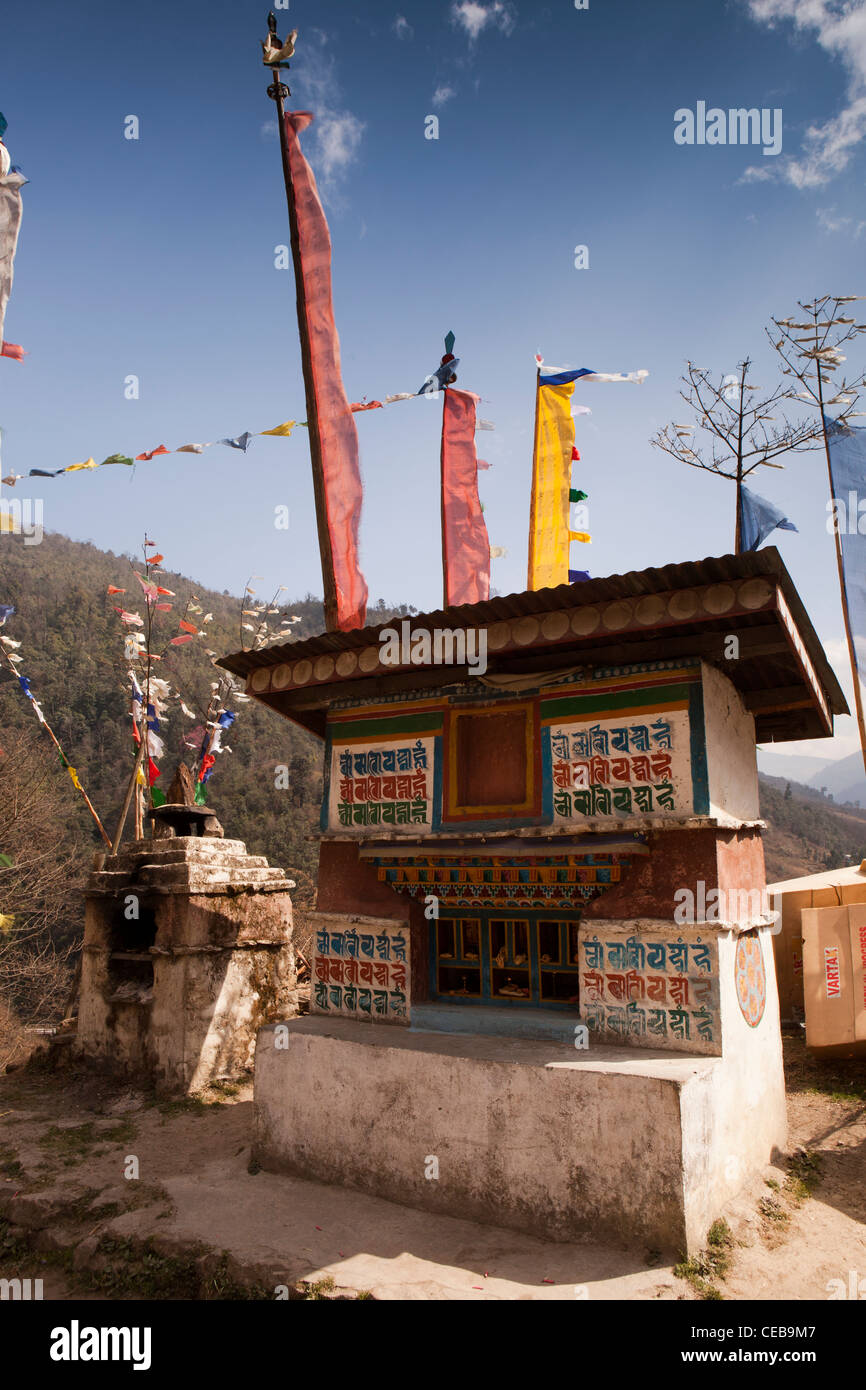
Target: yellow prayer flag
column 551, row 481
column 7, row 521
column 139, row 777
column 76, row 467
column 284, row 429
column 583, row 536
column 7, row 922
column 74, row 776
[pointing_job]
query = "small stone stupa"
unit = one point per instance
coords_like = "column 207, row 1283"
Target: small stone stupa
column 187, row 950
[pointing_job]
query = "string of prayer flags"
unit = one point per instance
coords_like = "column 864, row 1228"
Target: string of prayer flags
column 25, row 684
column 241, row 441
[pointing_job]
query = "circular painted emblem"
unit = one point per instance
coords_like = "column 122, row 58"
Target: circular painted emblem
column 751, row 978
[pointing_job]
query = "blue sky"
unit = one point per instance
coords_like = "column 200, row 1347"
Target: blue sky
column 155, row 258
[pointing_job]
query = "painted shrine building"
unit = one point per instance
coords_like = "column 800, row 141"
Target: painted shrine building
column 523, row 849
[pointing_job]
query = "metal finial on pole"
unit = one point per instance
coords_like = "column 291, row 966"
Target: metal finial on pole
column 276, row 55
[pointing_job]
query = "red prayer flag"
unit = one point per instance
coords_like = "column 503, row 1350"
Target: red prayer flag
column 369, row 405
column 338, row 437
column 184, row 626
column 179, row 641
column 153, row 771
column 153, row 453
column 575, row 456
column 155, row 559
column 465, row 543
column 113, row 590
column 14, row 350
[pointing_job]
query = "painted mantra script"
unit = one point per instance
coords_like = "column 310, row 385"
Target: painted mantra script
column 650, row 991
column 618, row 769
column 387, row 784
column 363, row 974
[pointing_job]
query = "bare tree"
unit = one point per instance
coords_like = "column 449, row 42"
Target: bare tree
column 732, row 436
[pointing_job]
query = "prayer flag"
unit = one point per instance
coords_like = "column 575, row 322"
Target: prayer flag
column 551, row 482
column 848, row 470
column 10, row 224
column 758, row 518
column 284, row 429
column 338, row 436
column 465, row 542
column 152, row 454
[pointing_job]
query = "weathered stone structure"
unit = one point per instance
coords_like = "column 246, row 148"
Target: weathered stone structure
column 187, row 953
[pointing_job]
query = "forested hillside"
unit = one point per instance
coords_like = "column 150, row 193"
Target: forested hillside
column 72, row 649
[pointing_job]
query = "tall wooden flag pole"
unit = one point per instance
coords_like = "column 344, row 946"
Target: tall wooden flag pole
column 278, row 91
column 530, row 571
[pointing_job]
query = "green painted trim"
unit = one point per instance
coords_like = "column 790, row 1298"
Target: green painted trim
column 622, row 699
column 429, row 724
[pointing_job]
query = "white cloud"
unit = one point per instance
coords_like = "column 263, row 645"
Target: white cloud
column 402, row 28
column 830, row 222
column 442, row 94
column 473, row 16
column 755, row 174
column 339, row 137
column 336, row 134
column 839, row 26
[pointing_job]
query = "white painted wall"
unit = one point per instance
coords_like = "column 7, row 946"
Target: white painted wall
column 731, row 757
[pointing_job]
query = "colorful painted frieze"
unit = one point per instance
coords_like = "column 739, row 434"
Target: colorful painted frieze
column 361, row 974
column 652, row 991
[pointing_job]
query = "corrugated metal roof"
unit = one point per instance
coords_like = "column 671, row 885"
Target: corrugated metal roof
column 635, row 584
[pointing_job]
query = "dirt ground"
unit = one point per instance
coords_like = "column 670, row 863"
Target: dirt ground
column 199, row 1222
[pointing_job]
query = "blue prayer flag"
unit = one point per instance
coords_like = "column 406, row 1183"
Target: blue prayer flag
column 758, row 518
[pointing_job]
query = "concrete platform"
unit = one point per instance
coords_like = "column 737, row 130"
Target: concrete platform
column 541, row 1024
column 612, row 1144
